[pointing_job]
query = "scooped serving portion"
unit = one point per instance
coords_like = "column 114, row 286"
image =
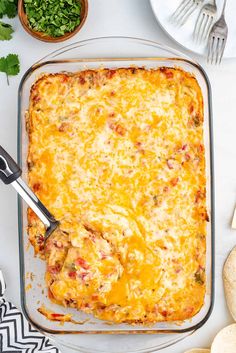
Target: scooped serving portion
column 117, row 156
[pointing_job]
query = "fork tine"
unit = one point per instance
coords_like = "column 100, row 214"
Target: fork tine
column 183, row 11
column 210, row 49
column 180, row 8
column 208, row 29
column 205, row 28
column 222, row 49
column 217, row 50
column 198, row 26
column 185, row 15
column 201, row 27
column 189, row 12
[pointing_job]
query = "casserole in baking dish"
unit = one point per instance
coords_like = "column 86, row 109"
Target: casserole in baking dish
column 92, row 55
column 117, row 156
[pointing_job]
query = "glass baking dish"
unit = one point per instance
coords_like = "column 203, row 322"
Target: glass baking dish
column 110, row 52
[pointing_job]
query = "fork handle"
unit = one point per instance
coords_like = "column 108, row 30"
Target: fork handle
column 223, row 8
column 10, row 173
column 9, row 170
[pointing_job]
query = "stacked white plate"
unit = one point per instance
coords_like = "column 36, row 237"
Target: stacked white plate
column 163, row 9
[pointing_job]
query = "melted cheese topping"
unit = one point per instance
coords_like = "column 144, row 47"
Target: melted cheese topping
column 117, row 156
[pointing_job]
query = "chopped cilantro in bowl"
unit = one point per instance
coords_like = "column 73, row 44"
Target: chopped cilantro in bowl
column 53, row 17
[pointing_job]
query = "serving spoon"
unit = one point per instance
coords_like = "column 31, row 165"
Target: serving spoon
column 10, row 173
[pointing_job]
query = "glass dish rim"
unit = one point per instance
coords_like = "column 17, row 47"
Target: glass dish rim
column 183, row 58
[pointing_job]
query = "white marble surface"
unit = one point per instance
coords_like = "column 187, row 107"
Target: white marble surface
column 128, row 18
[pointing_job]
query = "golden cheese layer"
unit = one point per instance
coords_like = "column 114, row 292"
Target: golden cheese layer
column 117, row 156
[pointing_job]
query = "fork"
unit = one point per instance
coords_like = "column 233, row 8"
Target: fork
column 217, row 39
column 204, row 21
column 184, row 10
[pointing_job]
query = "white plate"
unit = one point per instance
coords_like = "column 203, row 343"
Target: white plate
column 183, row 35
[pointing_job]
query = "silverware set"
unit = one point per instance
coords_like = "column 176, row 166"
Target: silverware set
column 207, row 29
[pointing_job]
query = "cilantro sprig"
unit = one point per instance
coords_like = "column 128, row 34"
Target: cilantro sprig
column 53, row 17
column 10, row 65
column 8, row 8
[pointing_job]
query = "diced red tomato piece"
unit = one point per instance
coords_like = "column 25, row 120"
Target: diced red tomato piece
column 110, row 73
column 199, row 196
column 64, row 78
column 40, row 239
column 37, row 187
column 82, row 80
column 54, row 315
column 178, row 270
column 50, row 294
column 164, row 313
column 54, row 269
column 187, row 156
column 119, row 129
column 36, row 98
column 174, row 181
column 168, row 73
column 72, row 274
column 191, row 108
column 82, row 263
column 201, row 148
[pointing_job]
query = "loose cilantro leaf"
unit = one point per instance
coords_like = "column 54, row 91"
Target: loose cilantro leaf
column 6, row 31
column 10, row 65
column 8, row 8
column 13, row 64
